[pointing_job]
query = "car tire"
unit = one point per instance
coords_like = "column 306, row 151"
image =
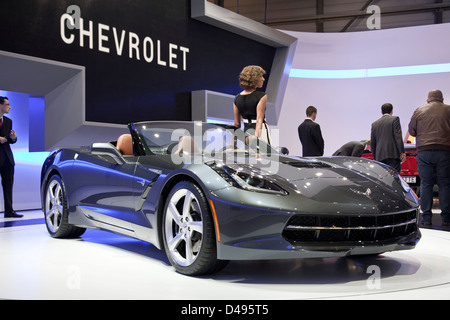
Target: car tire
column 188, row 231
column 55, row 211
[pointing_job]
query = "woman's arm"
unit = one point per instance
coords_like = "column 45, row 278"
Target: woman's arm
column 260, row 111
column 237, row 116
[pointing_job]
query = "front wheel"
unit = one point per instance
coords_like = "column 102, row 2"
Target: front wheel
column 188, row 231
column 56, row 213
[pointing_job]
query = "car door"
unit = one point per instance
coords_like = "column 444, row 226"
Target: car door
column 104, row 182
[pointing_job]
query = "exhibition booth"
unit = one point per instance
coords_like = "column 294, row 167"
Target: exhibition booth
column 349, row 76
column 73, row 84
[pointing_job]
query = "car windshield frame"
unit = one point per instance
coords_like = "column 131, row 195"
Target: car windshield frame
column 166, row 137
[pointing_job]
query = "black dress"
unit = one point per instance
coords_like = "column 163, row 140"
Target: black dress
column 246, row 104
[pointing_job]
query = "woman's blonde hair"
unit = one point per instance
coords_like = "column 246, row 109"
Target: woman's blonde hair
column 249, row 76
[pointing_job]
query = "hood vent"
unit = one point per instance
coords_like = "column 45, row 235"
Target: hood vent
column 307, row 164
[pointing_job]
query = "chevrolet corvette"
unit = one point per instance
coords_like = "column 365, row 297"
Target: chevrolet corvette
column 208, row 193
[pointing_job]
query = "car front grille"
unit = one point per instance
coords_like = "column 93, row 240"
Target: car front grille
column 339, row 228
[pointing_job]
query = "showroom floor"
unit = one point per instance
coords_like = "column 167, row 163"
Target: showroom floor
column 102, row 265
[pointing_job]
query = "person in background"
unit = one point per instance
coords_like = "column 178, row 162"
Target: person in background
column 310, row 134
column 430, row 124
column 354, row 149
column 409, row 139
column 7, row 137
column 386, row 139
column 250, row 104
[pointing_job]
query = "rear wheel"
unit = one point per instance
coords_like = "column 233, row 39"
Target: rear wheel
column 56, row 213
column 188, row 231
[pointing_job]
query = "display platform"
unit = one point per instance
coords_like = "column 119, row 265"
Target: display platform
column 102, row 265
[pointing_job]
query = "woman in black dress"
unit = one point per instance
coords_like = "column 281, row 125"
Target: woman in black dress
column 251, row 104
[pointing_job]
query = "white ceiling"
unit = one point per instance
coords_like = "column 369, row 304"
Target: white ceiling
column 339, row 15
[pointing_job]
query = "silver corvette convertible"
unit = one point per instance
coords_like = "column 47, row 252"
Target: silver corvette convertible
column 207, row 194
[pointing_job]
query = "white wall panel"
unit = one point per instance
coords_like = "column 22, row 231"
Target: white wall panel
column 347, row 107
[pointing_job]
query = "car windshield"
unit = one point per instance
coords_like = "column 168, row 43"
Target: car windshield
column 198, row 137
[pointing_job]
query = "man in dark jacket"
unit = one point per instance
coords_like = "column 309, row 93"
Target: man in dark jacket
column 353, row 149
column 7, row 137
column 310, row 135
column 386, row 139
column 430, row 124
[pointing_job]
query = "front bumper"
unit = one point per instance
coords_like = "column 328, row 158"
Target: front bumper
column 257, row 233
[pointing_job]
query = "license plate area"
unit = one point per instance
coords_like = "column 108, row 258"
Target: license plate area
column 410, row 179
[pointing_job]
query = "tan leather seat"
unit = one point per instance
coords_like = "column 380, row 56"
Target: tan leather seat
column 125, row 145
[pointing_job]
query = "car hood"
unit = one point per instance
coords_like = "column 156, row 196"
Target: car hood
column 339, row 181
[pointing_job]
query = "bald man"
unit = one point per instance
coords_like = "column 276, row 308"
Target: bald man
column 430, row 124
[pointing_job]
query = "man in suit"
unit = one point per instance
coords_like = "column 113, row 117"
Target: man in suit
column 353, row 149
column 310, row 134
column 7, row 137
column 386, row 139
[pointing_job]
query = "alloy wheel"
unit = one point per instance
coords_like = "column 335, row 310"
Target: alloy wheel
column 183, row 227
column 54, row 206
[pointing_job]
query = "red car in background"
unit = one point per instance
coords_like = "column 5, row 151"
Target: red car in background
column 409, row 171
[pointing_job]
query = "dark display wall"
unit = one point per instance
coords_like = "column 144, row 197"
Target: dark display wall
column 142, row 57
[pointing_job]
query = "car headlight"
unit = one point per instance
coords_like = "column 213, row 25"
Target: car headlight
column 248, row 178
column 404, row 184
column 409, row 192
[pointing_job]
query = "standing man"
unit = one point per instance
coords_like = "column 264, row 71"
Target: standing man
column 310, row 134
column 430, row 124
column 7, row 137
column 386, row 139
